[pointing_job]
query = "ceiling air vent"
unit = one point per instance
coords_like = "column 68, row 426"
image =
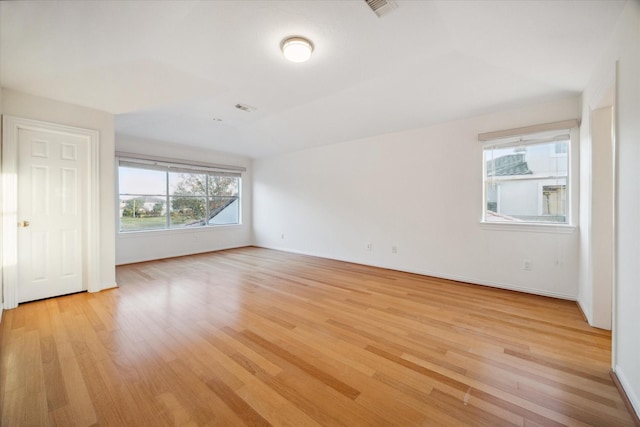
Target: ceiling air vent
column 245, row 107
column 381, row 7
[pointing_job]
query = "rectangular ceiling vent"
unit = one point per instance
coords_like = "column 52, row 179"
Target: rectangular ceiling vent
column 381, row 7
column 245, row 107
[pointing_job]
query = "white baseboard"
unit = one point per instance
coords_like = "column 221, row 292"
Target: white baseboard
column 111, row 286
column 629, row 391
column 435, row 274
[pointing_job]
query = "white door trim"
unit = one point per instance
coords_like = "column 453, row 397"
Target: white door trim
column 10, row 127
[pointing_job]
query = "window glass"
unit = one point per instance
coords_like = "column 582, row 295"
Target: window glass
column 527, row 182
column 224, row 210
column 159, row 198
column 143, row 201
column 224, row 205
column 223, row 186
column 187, row 192
column 142, row 181
column 561, row 147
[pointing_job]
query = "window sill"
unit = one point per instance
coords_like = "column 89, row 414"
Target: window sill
column 530, row 227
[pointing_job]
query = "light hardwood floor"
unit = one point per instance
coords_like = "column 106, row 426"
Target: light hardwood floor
column 259, row 337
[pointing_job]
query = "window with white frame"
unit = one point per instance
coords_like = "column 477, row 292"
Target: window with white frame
column 526, row 179
column 157, row 195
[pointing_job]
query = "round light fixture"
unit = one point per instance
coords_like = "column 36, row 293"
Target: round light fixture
column 297, row 49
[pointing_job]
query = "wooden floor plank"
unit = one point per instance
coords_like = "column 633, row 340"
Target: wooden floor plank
column 252, row 336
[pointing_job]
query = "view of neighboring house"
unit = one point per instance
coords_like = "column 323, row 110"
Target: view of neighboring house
column 228, row 213
column 527, row 183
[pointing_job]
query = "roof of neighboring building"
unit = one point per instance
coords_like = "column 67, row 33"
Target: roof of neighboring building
column 497, row 217
column 214, row 212
column 511, row 164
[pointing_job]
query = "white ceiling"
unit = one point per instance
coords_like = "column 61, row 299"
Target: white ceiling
column 166, row 69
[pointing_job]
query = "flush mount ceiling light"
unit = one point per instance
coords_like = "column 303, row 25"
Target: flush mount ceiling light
column 297, row 49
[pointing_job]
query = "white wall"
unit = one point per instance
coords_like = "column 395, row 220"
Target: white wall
column 625, row 49
column 32, row 107
column 420, row 191
column 1, row 232
column 144, row 246
column 595, row 279
column 602, row 217
column 585, row 249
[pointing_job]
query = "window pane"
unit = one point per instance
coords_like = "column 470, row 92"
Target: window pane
column 224, row 203
column 142, row 213
column 223, row 185
column 188, row 201
column 189, row 184
column 142, row 199
column 554, row 200
column 526, row 183
column 507, row 162
column 134, row 181
column 224, row 210
column 561, row 147
column 188, row 211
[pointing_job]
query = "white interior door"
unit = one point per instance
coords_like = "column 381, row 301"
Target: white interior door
column 52, row 184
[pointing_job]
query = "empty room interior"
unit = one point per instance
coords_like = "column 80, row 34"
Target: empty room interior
column 320, row 213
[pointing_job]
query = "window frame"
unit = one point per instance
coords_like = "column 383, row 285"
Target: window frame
column 534, row 138
column 168, row 166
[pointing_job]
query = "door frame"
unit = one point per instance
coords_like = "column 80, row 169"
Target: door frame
column 91, row 213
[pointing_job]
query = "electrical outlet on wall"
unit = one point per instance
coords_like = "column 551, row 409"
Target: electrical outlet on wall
column 526, row 265
column 369, row 247
column 394, row 249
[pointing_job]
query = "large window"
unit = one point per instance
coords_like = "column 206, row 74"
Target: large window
column 161, row 196
column 527, row 181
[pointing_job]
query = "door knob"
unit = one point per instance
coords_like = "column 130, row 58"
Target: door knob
column 23, row 224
